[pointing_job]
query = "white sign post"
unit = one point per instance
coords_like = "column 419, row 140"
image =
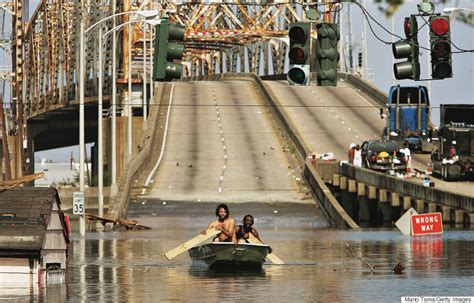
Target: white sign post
column 78, row 203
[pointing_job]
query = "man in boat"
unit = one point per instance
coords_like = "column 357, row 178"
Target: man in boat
column 242, row 232
column 224, row 223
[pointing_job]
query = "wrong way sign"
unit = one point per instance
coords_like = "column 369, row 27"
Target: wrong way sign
column 426, row 224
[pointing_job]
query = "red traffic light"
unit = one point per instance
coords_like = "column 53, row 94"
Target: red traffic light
column 440, row 26
column 407, row 27
column 297, row 55
column 297, row 34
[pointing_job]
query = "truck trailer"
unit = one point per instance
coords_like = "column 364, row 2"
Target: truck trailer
column 453, row 152
column 408, row 117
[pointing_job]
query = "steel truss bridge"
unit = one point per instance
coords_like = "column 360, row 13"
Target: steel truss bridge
column 231, row 36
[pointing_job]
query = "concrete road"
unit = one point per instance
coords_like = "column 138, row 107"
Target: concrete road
column 221, row 147
column 331, row 118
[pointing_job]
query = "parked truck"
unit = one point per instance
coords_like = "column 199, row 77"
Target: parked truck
column 453, row 152
column 408, row 117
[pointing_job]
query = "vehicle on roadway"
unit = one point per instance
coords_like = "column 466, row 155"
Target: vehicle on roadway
column 383, row 155
column 408, row 117
column 453, row 154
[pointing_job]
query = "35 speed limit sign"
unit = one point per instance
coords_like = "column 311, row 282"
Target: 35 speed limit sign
column 78, row 203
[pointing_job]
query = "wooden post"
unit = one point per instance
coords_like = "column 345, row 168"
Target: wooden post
column 459, row 216
column 383, row 196
column 420, row 206
column 406, row 203
column 360, row 189
column 372, row 192
column 395, row 199
column 335, row 180
column 446, row 212
column 352, row 186
column 343, row 182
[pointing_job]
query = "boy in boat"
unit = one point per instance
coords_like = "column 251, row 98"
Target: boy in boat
column 242, row 232
column 225, row 224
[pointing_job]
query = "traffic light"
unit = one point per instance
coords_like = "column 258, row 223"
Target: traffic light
column 327, row 54
column 166, row 51
column 409, row 49
column 440, row 42
column 300, row 54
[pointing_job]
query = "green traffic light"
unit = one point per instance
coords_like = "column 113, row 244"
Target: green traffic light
column 299, row 53
column 166, row 51
column 327, row 54
column 297, row 75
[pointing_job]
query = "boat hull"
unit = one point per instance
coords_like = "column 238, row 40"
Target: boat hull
column 225, row 255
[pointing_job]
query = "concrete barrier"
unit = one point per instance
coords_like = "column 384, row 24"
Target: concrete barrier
column 119, row 203
column 91, row 193
column 406, row 188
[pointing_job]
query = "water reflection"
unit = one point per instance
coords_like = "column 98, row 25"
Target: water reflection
column 130, row 266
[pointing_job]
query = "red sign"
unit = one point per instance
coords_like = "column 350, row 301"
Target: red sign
column 426, row 224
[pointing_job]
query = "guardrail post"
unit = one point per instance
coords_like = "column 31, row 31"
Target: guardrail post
column 352, row 186
column 431, row 207
column 395, row 199
column 406, row 203
column 420, row 206
column 383, row 196
column 360, row 189
column 471, row 219
column 446, row 212
column 372, row 192
column 458, row 216
column 343, row 182
column 335, row 180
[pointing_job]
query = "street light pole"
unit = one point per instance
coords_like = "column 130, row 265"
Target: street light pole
column 130, row 90
column 82, row 222
column 113, row 172
column 151, row 63
column 144, row 73
column 99, row 132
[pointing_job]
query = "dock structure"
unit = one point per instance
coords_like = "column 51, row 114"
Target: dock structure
column 34, row 234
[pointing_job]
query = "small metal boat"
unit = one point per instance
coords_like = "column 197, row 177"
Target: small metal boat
column 227, row 255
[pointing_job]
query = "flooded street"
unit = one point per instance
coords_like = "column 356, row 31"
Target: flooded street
column 130, row 266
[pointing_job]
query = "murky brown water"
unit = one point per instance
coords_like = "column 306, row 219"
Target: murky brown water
column 130, row 266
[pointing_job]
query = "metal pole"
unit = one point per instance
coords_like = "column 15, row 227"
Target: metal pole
column 393, row 40
column 114, row 109
column 82, row 222
column 428, row 63
column 130, row 90
column 99, row 131
column 151, row 63
column 144, row 73
column 366, row 57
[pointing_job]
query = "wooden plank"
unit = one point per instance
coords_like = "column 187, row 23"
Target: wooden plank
column 191, row 243
column 272, row 257
column 5, row 185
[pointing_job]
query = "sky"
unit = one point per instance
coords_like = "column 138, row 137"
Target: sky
column 459, row 89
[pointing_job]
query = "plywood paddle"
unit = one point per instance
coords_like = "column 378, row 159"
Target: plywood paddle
column 272, row 257
column 191, row 243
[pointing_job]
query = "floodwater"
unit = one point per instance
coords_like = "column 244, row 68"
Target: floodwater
column 130, row 266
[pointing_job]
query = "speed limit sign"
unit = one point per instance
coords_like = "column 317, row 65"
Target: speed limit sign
column 78, row 203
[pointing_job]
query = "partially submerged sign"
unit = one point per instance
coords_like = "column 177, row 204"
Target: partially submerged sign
column 426, row 224
column 404, row 223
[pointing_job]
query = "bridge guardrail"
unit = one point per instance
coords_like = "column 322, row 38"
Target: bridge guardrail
column 404, row 187
column 119, row 203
